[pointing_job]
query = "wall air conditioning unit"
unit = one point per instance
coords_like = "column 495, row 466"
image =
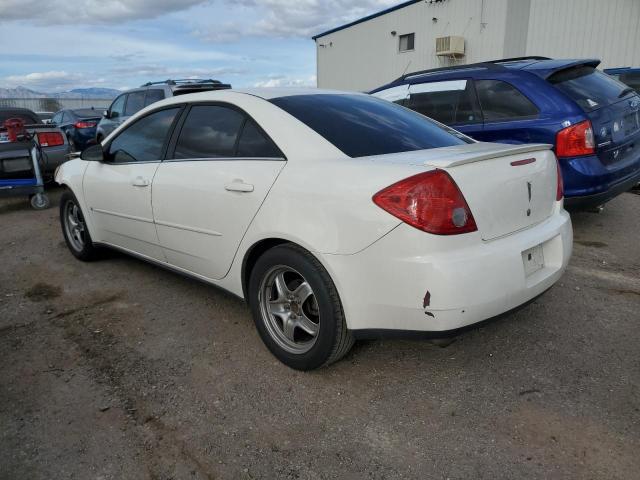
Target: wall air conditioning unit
column 451, row 46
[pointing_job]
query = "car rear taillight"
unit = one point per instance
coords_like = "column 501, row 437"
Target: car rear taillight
column 575, row 140
column 50, row 139
column 85, row 124
column 430, row 201
column 560, row 185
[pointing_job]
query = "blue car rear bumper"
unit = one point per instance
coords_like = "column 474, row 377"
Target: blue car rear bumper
column 589, row 183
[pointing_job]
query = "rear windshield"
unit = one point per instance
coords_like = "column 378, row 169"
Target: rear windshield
column 24, row 116
column 86, row 113
column 590, row 88
column 360, row 125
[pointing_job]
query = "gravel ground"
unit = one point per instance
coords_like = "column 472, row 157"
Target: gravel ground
column 121, row 370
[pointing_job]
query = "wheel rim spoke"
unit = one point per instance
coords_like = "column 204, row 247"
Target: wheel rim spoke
column 281, row 286
column 303, row 292
column 306, row 324
column 288, row 327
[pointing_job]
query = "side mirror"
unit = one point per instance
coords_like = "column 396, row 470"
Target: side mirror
column 94, row 153
column 105, row 114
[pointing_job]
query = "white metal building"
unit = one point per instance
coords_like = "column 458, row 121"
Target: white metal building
column 420, row 34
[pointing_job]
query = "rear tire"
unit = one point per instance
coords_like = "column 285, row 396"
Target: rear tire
column 74, row 228
column 296, row 309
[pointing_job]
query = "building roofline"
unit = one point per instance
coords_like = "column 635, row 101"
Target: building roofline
column 367, row 18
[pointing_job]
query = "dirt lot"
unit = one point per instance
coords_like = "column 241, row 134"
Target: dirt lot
column 118, row 369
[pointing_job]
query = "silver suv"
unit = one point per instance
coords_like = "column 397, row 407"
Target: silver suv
column 136, row 99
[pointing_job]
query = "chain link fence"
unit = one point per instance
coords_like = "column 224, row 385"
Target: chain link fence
column 55, row 104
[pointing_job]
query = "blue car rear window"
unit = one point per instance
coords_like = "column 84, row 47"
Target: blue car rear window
column 590, row 88
column 360, row 125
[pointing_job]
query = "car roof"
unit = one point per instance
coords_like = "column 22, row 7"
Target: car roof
column 540, row 66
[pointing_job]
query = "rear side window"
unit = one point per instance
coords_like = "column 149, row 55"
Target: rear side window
column 135, row 103
column 144, row 140
column 253, row 143
column 502, row 101
column 153, row 95
column 361, row 125
column 209, row 131
column 448, row 102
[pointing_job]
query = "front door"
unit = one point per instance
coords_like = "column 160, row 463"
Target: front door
column 118, row 190
column 210, row 188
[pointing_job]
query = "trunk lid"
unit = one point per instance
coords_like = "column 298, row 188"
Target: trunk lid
column 507, row 187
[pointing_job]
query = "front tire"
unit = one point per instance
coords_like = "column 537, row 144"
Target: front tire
column 296, row 309
column 74, row 228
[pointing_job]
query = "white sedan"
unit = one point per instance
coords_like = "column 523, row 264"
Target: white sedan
column 335, row 215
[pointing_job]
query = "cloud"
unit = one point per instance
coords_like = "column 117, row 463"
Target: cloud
column 287, row 81
column 289, row 18
column 52, row 81
column 90, row 11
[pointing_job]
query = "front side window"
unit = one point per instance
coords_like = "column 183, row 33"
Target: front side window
column 361, row 125
column 144, row 140
column 135, row 103
column 501, row 101
column 407, row 42
column 449, row 102
column 117, row 107
column 209, row 131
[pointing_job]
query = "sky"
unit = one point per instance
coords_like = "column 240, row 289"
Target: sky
column 59, row 45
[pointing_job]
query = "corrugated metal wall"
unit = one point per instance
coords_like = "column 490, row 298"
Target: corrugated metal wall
column 604, row 29
column 366, row 55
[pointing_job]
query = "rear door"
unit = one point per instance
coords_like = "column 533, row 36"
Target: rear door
column 612, row 107
column 118, row 190
column 219, row 170
column 452, row 102
column 509, row 116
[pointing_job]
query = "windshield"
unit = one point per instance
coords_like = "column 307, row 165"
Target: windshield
column 360, row 125
column 590, row 88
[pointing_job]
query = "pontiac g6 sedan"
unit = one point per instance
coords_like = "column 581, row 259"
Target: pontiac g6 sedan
column 335, row 215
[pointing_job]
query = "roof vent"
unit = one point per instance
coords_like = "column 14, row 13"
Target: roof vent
column 451, row 46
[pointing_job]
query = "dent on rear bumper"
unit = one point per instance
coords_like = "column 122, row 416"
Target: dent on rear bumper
column 410, row 280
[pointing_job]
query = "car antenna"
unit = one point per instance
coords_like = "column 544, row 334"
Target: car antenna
column 407, row 68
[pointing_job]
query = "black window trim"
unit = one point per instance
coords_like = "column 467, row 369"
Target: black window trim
column 511, row 119
column 183, row 117
column 165, row 145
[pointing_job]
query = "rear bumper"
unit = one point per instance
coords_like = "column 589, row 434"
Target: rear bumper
column 413, row 281
column 589, row 183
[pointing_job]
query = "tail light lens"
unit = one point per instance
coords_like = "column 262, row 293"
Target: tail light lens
column 560, row 187
column 575, row 140
column 430, row 201
column 85, row 124
column 50, row 139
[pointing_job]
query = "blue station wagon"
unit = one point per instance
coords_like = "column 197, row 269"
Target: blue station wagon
column 592, row 120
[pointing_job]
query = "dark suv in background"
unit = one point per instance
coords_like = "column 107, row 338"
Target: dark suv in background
column 592, row 120
column 136, row 99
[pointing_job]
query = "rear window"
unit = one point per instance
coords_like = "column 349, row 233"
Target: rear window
column 86, row 113
column 360, row 125
column 632, row 79
column 24, row 116
column 590, row 88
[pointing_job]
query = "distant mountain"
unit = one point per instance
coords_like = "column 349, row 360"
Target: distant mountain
column 22, row 92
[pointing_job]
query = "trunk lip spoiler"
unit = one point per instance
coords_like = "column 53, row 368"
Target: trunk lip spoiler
column 502, row 151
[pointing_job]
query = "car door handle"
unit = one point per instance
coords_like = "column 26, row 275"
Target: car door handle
column 140, row 182
column 238, row 186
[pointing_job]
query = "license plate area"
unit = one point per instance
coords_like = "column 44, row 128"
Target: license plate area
column 533, row 260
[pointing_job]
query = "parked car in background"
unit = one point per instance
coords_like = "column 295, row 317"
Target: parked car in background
column 333, row 225
column 79, row 125
column 627, row 75
column 132, row 101
column 45, row 116
column 55, row 146
column 592, row 120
